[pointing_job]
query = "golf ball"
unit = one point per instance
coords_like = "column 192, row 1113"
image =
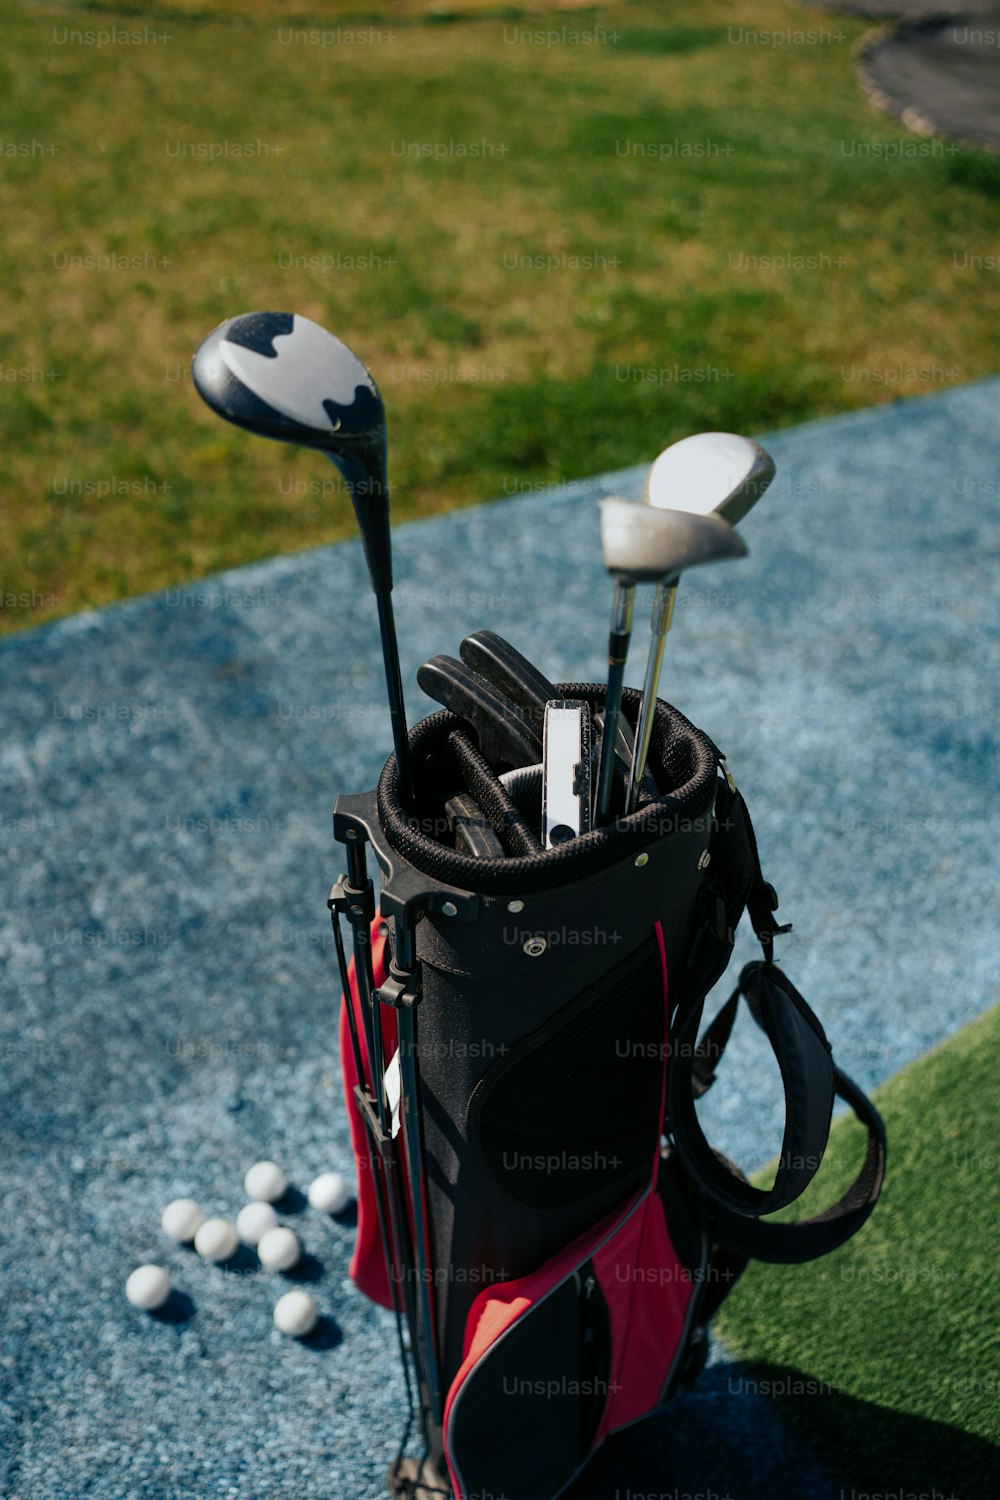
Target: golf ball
column 216, row 1240
column 148, row 1287
column 266, row 1182
column 279, row 1249
column 180, row 1220
column 254, row 1221
column 295, row 1313
column 329, row 1193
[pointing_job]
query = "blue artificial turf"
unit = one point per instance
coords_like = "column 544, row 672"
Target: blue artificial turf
column 167, row 769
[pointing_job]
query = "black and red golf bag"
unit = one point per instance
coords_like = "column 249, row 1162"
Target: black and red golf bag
column 523, row 1049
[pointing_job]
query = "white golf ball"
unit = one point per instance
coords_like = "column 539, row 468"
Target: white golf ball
column 295, row 1313
column 254, row 1221
column 216, row 1240
column 266, row 1182
column 180, row 1220
column 329, row 1193
column 279, row 1249
column 148, row 1287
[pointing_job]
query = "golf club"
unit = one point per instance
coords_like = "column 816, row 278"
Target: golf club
column 644, row 544
column 566, row 808
column 718, row 472
column 502, row 665
column 471, row 829
column 505, row 736
column 284, row 377
column 711, row 473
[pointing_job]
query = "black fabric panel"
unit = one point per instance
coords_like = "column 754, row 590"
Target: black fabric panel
column 484, row 996
column 522, row 1422
column 480, row 1234
column 572, row 1111
column 732, row 858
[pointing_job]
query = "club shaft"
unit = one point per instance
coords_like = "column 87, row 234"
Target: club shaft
column 389, row 1249
column 662, row 617
column 621, row 630
column 395, row 1230
column 394, row 688
column 413, row 1126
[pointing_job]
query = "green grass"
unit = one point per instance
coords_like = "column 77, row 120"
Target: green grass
column 888, row 1351
column 650, row 165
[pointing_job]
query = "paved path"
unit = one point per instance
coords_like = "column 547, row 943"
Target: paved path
column 939, row 77
column 936, row 69
column 166, row 774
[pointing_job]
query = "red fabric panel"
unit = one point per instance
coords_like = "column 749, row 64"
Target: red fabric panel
column 498, row 1307
column 645, row 1287
column 647, row 1290
column 367, row 1268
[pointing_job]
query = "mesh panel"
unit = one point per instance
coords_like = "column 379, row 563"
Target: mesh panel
column 682, row 758
column 569, row 1113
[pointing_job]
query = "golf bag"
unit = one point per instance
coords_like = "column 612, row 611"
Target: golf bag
column 537, row 1200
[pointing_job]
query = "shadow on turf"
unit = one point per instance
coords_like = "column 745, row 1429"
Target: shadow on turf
column 306, row 1269
column 871, row 1448
column 718, row 1439
column 178, row 1308
column 326, row 1335
column 292, row 1201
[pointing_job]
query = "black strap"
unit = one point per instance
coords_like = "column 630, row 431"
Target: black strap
column 807, row 1075
column 790, row 1244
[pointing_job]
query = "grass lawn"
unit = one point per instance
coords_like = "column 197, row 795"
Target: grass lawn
column 886, row 1354
column 556, row 253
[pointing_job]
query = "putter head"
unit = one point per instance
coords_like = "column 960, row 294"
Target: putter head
column 645, row 544
column 282, row 376
column 718, row 472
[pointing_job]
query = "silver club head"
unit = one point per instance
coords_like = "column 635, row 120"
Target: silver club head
column 718, row 472
column 644, row 544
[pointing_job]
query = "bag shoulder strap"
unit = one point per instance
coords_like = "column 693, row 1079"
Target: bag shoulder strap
column 790, row 1244
column 810, row 1080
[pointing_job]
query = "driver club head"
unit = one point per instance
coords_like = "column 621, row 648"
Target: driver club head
column 282, row 376
column 718, row 472
column 645, row 544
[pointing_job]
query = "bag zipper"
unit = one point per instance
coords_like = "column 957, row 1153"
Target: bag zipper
column 593, row 1354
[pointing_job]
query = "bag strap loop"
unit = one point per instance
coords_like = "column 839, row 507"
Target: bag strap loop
column 807, row 1075
column 810, row 1079
column 791, row 1244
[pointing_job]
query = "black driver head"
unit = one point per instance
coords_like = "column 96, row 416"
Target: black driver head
column 282, row 376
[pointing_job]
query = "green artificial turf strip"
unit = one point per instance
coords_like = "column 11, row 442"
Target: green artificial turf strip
column 886, row 1354
column 670, row 226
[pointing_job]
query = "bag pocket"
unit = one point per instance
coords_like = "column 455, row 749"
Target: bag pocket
column 571, row 1112
column 557, row 1360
